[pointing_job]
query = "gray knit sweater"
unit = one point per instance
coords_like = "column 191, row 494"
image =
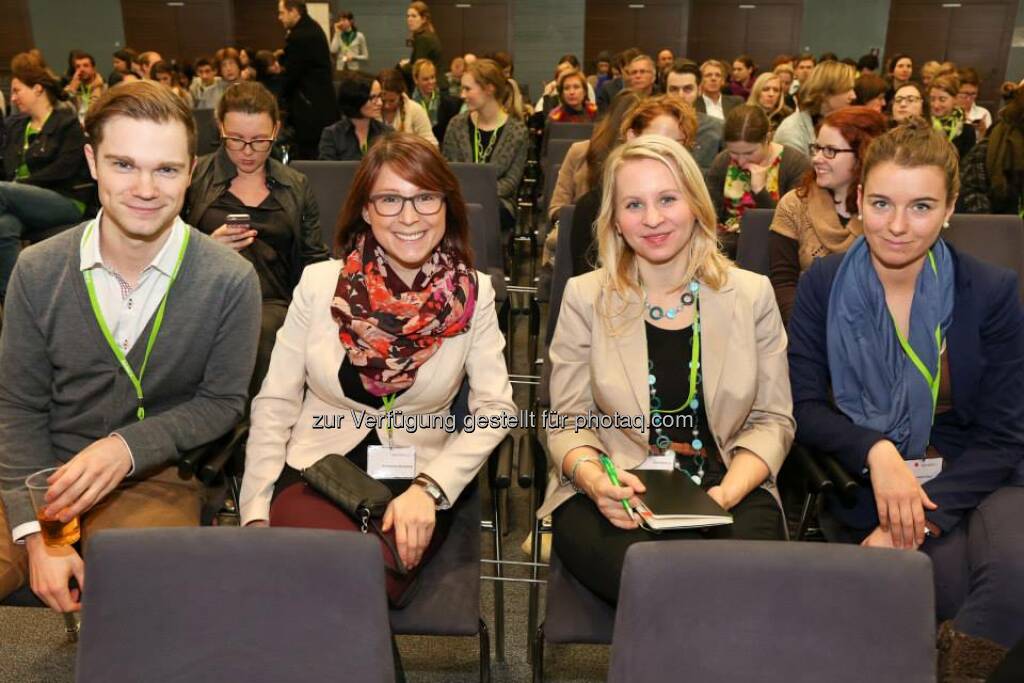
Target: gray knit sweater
column 61, row 387
column 509, row 155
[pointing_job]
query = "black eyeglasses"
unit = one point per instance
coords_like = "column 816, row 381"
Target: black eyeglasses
column 425, row 203
column 827, row 151
column 906, row 99
column 258, row 145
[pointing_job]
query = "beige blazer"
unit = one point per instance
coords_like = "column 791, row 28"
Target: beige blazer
column 302, row 384
column 603, row 369
column 572, row 178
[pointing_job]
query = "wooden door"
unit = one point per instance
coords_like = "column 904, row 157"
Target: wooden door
column 974, row 33
column 477, row 26
column 180, row 31
column 15, row 33
column 650, row 25
column 725, row 30
column 256, row 24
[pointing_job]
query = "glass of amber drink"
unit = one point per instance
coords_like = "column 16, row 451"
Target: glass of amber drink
column 55, row 532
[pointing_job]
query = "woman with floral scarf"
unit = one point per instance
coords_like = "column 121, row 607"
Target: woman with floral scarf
column 947, row 116
column 752, row 172
column 372, row 353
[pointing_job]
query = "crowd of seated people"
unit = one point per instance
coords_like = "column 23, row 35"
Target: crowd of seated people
column 873, row 340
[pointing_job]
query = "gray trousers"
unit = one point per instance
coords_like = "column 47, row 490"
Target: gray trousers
column 979, row 569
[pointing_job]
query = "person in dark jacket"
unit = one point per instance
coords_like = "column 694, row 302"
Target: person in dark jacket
column 282, row 235
column 46, row 180
column 992, row 173
column 359, row 99
column 422, row 39
column 907, row 364
column 306, row 91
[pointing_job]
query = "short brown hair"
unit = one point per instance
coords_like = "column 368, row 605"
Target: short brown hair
column 746, row 123
column 419, row 162
column 32, row 71
column 914, row 144
column 651, row 108
column 142, row 101
column 869, row 87
column 969, row 76
column 248, row 97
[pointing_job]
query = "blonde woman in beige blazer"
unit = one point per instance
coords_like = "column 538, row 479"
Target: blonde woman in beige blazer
column 632, row 320
column 322, row 393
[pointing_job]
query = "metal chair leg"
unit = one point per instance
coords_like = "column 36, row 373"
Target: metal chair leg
column 485, row 654
column 810, row 502
column 538, row 655
column 499, row 585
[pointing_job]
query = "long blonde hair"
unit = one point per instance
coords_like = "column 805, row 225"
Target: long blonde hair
column 759, row 85
column 706, row 262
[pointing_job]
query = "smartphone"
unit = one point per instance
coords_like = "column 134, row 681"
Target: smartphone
column 237, row 220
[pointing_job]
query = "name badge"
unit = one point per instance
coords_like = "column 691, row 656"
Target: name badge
column 396, row 462
column 925, row 470
column 661, row 461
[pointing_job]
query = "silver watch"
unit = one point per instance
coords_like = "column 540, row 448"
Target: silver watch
column 433, row 490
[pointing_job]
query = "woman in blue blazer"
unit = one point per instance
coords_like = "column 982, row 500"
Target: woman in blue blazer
column 907, row 364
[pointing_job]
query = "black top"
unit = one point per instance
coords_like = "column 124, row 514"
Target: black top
column 485, row 140
column 306, row 88
column 669, row 351
column 275, row 239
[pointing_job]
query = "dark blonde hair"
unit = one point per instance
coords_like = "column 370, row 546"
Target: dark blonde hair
column 32, row 71
column 947, row 82
column 914, row 144
column 424, row 11
column 248, row 97
column 487, row 72
column 143, row 101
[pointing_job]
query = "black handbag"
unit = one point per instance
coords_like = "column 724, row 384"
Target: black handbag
column 359, row 495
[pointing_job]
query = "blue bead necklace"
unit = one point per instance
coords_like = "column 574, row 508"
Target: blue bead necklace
column 662, row 442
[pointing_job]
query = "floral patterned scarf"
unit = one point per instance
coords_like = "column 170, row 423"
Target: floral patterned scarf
column 738, row 196
column 951, row 125
column 389, row 330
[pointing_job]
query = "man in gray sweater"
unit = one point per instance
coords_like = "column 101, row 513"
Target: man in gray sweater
column 126, row 341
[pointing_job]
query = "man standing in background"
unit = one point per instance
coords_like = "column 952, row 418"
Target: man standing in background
column 307, row 91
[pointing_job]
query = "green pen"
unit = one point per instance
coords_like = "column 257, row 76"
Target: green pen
column 609, row 467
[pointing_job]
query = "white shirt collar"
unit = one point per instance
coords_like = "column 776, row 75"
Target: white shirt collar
column 165, row 260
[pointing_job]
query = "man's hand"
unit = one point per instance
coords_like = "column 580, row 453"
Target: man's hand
column 50, row 569
column 87, row 478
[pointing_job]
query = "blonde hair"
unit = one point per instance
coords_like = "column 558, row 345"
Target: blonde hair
column 706, row 262
column 827, row 79
column 759, row 85
column 487, row 72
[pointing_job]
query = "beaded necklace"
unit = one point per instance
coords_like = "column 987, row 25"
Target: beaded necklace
column 662, row 442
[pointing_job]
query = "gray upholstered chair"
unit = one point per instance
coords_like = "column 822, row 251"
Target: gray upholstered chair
column 752, row 251
column 773, row 612
column 230, row 604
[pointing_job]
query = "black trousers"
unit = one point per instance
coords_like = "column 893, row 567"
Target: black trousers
column 593, row 549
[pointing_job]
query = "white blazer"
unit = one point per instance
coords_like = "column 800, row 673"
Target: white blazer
column 302, row 384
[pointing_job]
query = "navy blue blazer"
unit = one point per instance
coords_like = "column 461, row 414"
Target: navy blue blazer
column 981, row 438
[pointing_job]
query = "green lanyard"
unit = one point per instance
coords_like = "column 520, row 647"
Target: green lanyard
column 389, row 403
column 694, row 362
column 136, row 381
column 478, row 157
column 933, row 381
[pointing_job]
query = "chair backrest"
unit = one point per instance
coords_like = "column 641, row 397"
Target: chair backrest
column 555, row 151
column 752, row 251
column 801, row 611
column 550, row 178
column 995, row 239
column 478, row 238
column 563, row 268
column 479, row 185
column 331, row 181
column 207, row 131
column 569, row 131
column 229, row 604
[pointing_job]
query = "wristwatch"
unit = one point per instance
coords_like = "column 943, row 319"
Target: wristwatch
column 434, row 491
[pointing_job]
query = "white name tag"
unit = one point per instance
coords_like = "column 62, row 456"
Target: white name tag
column 663, row 461
column 398, row 462
column 925, row 470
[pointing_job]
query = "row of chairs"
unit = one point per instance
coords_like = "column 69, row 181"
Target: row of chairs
column 264, row 605
column 574, row 615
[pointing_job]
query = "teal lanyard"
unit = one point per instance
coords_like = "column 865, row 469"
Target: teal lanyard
column 932, row 380
column 694, row 360
column 136, row 381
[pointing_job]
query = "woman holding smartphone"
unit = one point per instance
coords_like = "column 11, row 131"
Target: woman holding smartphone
column 256, row 205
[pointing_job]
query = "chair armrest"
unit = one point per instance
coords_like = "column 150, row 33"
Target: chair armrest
column 213, row 467
column 815, row 478
column 845, row 485
column 499, row 465
column 190, row 462
column 527, row 461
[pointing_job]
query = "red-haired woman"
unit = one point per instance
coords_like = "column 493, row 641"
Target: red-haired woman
column 820, row 217
column 395, row 325
column 573, row 104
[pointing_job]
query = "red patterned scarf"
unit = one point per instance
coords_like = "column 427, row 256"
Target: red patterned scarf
column 389, row 333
